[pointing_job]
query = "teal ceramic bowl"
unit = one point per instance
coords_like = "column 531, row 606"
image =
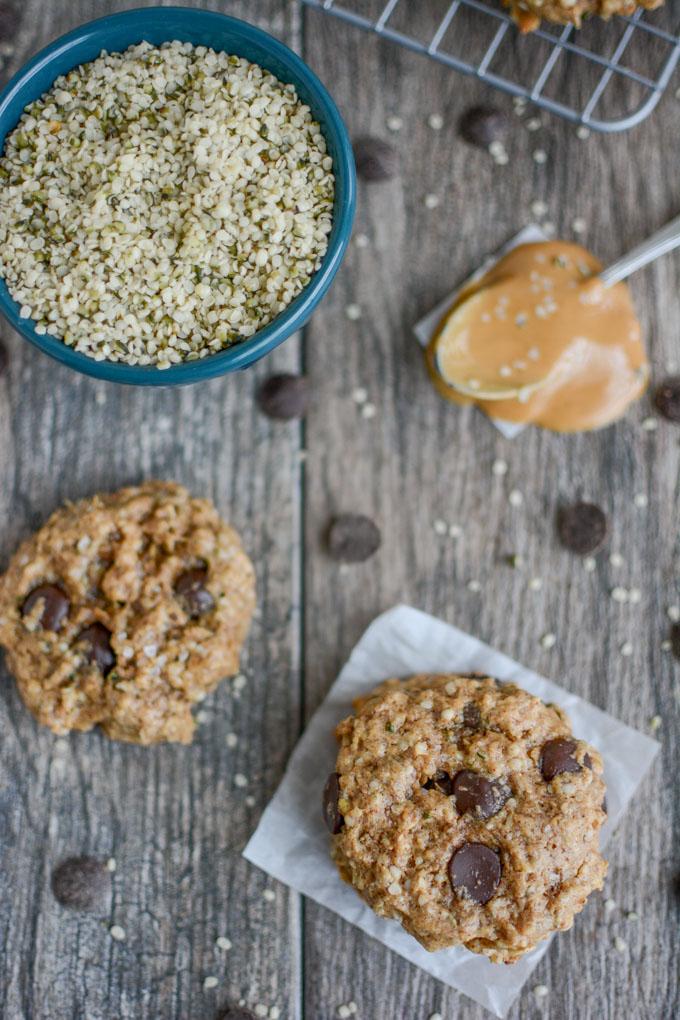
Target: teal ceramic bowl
column 202, row 28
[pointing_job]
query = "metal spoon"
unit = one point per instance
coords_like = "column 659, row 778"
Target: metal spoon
column 660, row 243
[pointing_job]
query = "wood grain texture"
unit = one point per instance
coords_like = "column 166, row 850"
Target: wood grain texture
column 174, row 818
column 420, row 459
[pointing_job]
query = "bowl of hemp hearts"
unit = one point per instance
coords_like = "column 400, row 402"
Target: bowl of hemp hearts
column 177, row 191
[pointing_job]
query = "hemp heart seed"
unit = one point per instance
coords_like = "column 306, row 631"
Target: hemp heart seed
column 162, row 204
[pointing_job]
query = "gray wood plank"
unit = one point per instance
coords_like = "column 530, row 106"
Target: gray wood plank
column 172, row 817
column 420, row 459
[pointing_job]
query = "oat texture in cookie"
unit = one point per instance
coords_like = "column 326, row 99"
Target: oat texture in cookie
column 124, row 610
column 465, row 809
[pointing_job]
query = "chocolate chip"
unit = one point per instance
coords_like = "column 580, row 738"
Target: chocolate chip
column 236, row 1013
column 97, row 641
column 81, row 883
column 475, row 870
column 483, row 125
column 667, row 398
column 588, row 761
column 4, row 358
column 440, row 781
column 675, row 640
column 352, row 538
column 604, row 805
column 376, row 159
column 284, row 396
column 582, row 527
column 473, row 792
column 55, row 604
column 331, row 811
column 557, row 756
column 472, row 717
column 191, row 591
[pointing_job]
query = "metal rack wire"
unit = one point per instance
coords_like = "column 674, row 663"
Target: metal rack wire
column 621, row 67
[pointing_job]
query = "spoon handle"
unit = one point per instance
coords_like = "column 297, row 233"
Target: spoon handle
column 662, row 241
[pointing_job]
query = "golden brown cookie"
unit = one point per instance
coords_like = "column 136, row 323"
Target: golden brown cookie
column 465, row 809
column 124, row 610
column 528, row 13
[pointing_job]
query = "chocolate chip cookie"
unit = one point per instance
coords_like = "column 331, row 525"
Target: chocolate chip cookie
column 465, row 809
column 125, row 610
column 528, row 13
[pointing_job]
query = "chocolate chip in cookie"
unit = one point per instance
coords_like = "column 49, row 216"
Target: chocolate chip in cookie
column 477, row 794
column 582, row 527
column 353, row 538
column 81, row 883
column 557, row 756
column 284, row 396
column 331, row 811
column 472, row 717
column 96, row 642
column 55, row 605
column 667, row 398
column 192, row 593
column 440, row 781
column 475, row 870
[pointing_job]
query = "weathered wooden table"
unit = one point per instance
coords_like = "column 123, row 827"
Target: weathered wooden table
column 173, row 817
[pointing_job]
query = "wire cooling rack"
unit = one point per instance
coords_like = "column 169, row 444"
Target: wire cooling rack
column 615, row 72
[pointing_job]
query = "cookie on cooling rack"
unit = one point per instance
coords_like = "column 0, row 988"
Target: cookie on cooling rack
column 528, row 13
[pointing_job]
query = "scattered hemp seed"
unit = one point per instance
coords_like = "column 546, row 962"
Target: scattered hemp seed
column 539, row 209
column 579, row 225
column 431, row 201
column 619, row 594
column 111, row 864
column 650, row 424
column 231, row 740
column 353, row 312
column 632, row 915
column 436, row 121
column 609, row 905
column 641, row 500
column 361, row 241
column 117, row 933
column 435, row 1016
column 474, row 586
column 534, row 124
column 582, row 132
column 634, row 596
column 666, row 645
column 620, row 945
column 440, row 527
column 548, row 641
column 626, row 649
column 541, row 991
column 673, row 613
column 589, row 564
column 499, row 468
column 360, row 395
column 655, row 723
column 240, row 780
column 516, row 561
column 616, row 560
column 535, row 584
column 540, row 156
column 515, row 498
column 223, row 943
column 369, row 411
column 455, row 531
column 274, row 1013
column 269, row 895
column 394, row 123
column 210, row 982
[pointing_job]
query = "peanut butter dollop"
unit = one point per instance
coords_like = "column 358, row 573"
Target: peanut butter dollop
column 539, row 339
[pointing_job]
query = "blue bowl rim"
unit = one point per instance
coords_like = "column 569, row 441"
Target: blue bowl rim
column 244, row 353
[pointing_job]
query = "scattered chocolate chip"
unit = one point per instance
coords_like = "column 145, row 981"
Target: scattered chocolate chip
column 284, row 396
column 352, row 538
column 582, row 527
column 472, row 717
column 557, row 756
column 331, row 811
column 440, row 781
column 236, row 1013
column 81, row 883
column 376, row 159
column 55, row 602
column 667, row 398
column 483, row 125
column 97, row 641
column 191, row 591
column 475, row 869
column 473, row 792
column 675, row 640
column 4, row 358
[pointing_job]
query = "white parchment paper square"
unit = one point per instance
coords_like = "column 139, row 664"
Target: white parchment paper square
column 292, row 844
column 426, row 328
